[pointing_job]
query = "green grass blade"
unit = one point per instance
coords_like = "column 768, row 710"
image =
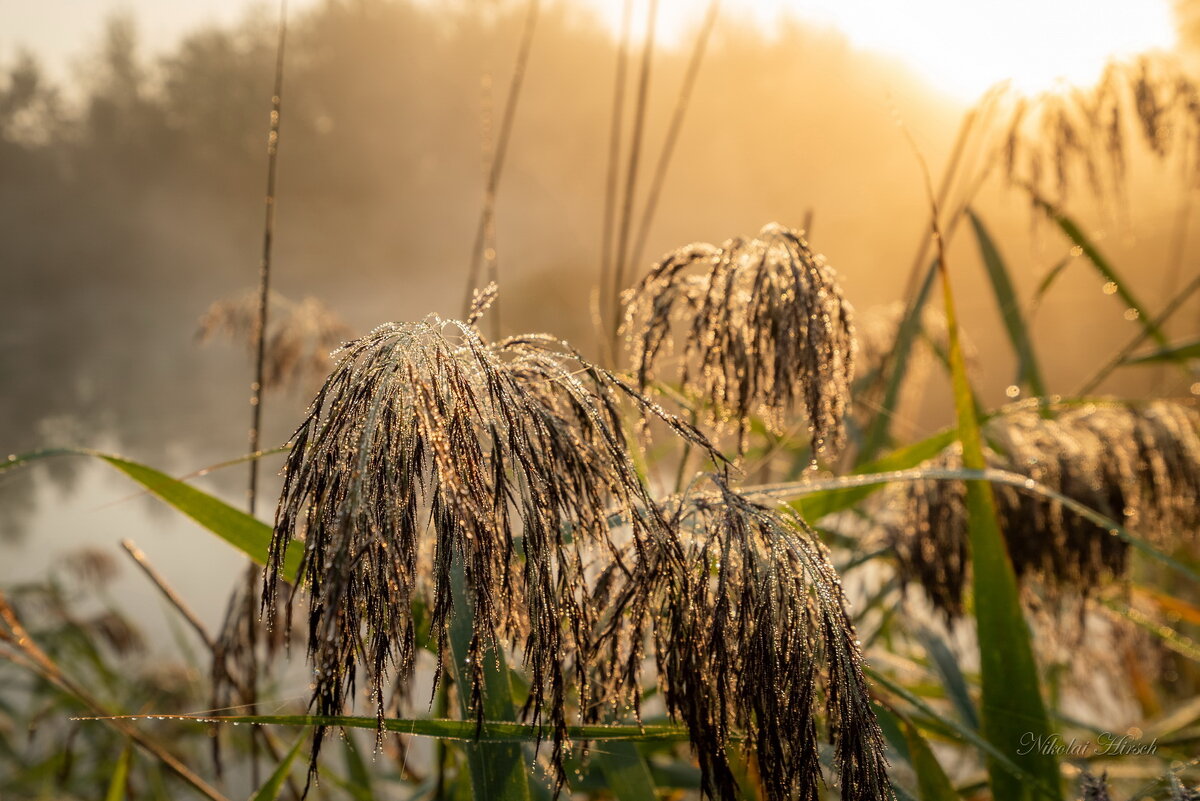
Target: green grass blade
column 1010, row 310
column 248, row 534
column 951, row 675
column 444, row 729
column 1174, row 353
column 120, row 776
column 274, row 784
column 877, row 434
column 956, row 729
column 932, row 782
column 358, row 776
column 1048, row 280
column 1103, row 266
column 798, row 489
column 1013, row 710
column 1172, row 639
column 814, row 506
column 625, row 771
column 498, row 770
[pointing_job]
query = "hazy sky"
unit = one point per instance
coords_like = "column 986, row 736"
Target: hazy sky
column 961, row 46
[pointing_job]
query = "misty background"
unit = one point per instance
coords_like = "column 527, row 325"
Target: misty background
column 131, row 198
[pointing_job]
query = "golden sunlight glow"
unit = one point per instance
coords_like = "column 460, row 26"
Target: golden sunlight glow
column 961, row 47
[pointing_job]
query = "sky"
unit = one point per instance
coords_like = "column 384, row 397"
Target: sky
column 960, row 46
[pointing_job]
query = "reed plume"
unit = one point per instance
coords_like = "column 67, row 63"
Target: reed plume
column 431, row 451
column 298, row 339
column 750, row 633
column 1055, row 137
column 1136, row 464
column 762, row 326
column 426, row 423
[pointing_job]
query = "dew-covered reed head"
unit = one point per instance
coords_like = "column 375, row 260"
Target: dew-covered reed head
column 761, row 327
column 299, row 336
column 750, row 635
column 1137, row 464
column 429, row 451
column 1055, row 139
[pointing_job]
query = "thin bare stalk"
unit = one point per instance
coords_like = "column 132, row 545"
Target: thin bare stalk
column 40, row 662
column 612, row 182
column 487, row 214
column 260, row 347
column 631, row 173
column 264, row 268
column 176, row 600
column 673, row 131
column 168, row 592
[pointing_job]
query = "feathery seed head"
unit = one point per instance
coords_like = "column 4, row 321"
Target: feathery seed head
column 300, row 335
column 428, row 448
column 763, row 327
column 1138, row 465
column 750, row 633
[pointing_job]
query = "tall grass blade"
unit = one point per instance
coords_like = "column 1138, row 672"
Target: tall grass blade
column 625, row 229
column 248, row 534
column 120, row 776
column 1013, row 709
column 950, row 672
column 1173, row 353
column 1103, row 266
column 496, row 169
column 932, row 782
column 673, row 131
column 877, row 434
column 1010, row 310
column 626, row 772
column 274, row 784
column 490, row 731
column 498, row 770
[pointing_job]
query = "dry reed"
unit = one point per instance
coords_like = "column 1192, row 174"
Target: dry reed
column 1138, row 465
column 764, row 327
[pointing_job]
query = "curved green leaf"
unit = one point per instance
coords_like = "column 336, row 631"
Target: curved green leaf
column 444, row 729
column 1075, row 233
column 1013, row 710
column 1174, row 353
column 274, row 784
column 1010, row 311
column 248, row 534
column 116, row 785
column 625, row 771
column 932, row 782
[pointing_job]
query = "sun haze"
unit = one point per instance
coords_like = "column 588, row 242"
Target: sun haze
column 961, row 48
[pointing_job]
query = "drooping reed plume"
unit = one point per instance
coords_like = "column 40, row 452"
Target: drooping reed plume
column 1138, row 465
column 428, row 447
column 431, row 453
column 1054, row 138
column 750, row 637
column 298, row 338
column 761, row 327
